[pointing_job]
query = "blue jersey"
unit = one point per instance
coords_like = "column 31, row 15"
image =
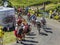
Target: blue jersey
column 33, row 16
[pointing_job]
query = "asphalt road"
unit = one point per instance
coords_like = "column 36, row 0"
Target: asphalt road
column 50, row 36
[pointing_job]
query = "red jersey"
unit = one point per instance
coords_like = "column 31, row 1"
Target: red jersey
column 15, row 32
column 28, row 14
column 19, row 21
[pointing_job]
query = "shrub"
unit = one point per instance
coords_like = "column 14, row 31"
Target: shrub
column 56, row 17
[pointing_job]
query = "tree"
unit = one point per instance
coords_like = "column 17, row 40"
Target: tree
column 1, row 2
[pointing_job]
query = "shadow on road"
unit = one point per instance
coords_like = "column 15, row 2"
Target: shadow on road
column 30, row 37
column 48, row 30
column 30, row 41
column 27, row 44
column 42, row 33
column 32, row 34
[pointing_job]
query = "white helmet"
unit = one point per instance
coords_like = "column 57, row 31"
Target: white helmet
column 16, row 24
column 36, row 20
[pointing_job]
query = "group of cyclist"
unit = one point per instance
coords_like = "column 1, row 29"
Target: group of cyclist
column 22, row 26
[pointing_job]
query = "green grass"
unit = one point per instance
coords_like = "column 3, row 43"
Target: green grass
column 30, row 2
column 9, row 37
column 52, row 6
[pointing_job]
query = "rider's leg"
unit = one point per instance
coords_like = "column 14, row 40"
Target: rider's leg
column 17, row 40
column 39, row 30
column 23, row 36
column 44, row 26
